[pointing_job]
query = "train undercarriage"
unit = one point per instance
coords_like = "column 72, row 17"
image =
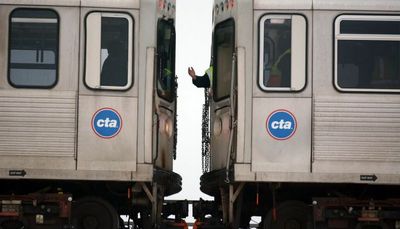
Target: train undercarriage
column 298, row 205
column 45, row 204
column 39, row 204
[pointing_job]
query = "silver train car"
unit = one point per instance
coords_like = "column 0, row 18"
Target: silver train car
column 87, row 112
column 304, row 114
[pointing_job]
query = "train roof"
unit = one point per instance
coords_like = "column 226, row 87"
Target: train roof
column 130, row 4
column 283, row 4
column 370, row 5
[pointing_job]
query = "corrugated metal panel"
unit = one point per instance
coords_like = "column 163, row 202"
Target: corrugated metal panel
column 38, row 125
column 357, row 129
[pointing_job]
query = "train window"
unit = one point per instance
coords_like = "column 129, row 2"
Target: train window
column 369, row 27
column 367, row 53
column 282, row 56
column 224, row 42
column 33, row 48
column 108, row 62
column 166, row 59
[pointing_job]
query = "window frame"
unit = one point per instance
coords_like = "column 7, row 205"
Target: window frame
column 131, row 51
column 57, row 56
column 357, row 37
column 173, row 92
column 260, row 69
column 214, row 58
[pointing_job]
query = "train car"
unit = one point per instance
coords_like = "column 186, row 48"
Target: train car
column 304, row 114
column 87, row 112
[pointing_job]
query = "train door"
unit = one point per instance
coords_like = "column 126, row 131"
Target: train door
column 38, row 87
column 108, row 103
column 281, row 128
column 165, row 138
column 222, row 92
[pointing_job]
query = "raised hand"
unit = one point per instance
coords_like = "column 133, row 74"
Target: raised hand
column 192, row 73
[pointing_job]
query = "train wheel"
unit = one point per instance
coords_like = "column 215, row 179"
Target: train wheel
column 377, row 225
column 289, row 215
column 13, row 224
column 321, row 226
column 94, row 213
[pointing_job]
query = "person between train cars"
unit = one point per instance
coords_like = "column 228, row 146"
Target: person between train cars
column 115, row 68
column 279, row 75
column 280, row 71
column 201, row 81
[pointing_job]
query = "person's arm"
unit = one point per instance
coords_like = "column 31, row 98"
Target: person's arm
column 199, row 81
column 202, row 81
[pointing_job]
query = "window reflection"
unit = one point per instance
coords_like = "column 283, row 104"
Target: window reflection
column 33, row 48
column 277, row 52
column 166, row 59
column 224, row 39
column 369, row 64
column 114, row 51
column 368, row 53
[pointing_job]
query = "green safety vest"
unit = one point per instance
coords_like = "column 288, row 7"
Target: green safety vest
column 167, row 72
column 274, row 69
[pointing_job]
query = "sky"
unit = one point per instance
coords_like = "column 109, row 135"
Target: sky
column 193, row 45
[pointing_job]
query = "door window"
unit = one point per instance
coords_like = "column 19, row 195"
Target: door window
column 109, row 51
column 282, row 60
column 166, row 60
column 224, row 43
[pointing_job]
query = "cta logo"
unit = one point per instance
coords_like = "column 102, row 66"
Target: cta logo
column 281, row 124
column 106, row 123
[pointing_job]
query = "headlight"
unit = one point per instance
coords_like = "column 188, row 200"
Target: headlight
column 217, row 126
column 166, row 125
column 169, row 127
